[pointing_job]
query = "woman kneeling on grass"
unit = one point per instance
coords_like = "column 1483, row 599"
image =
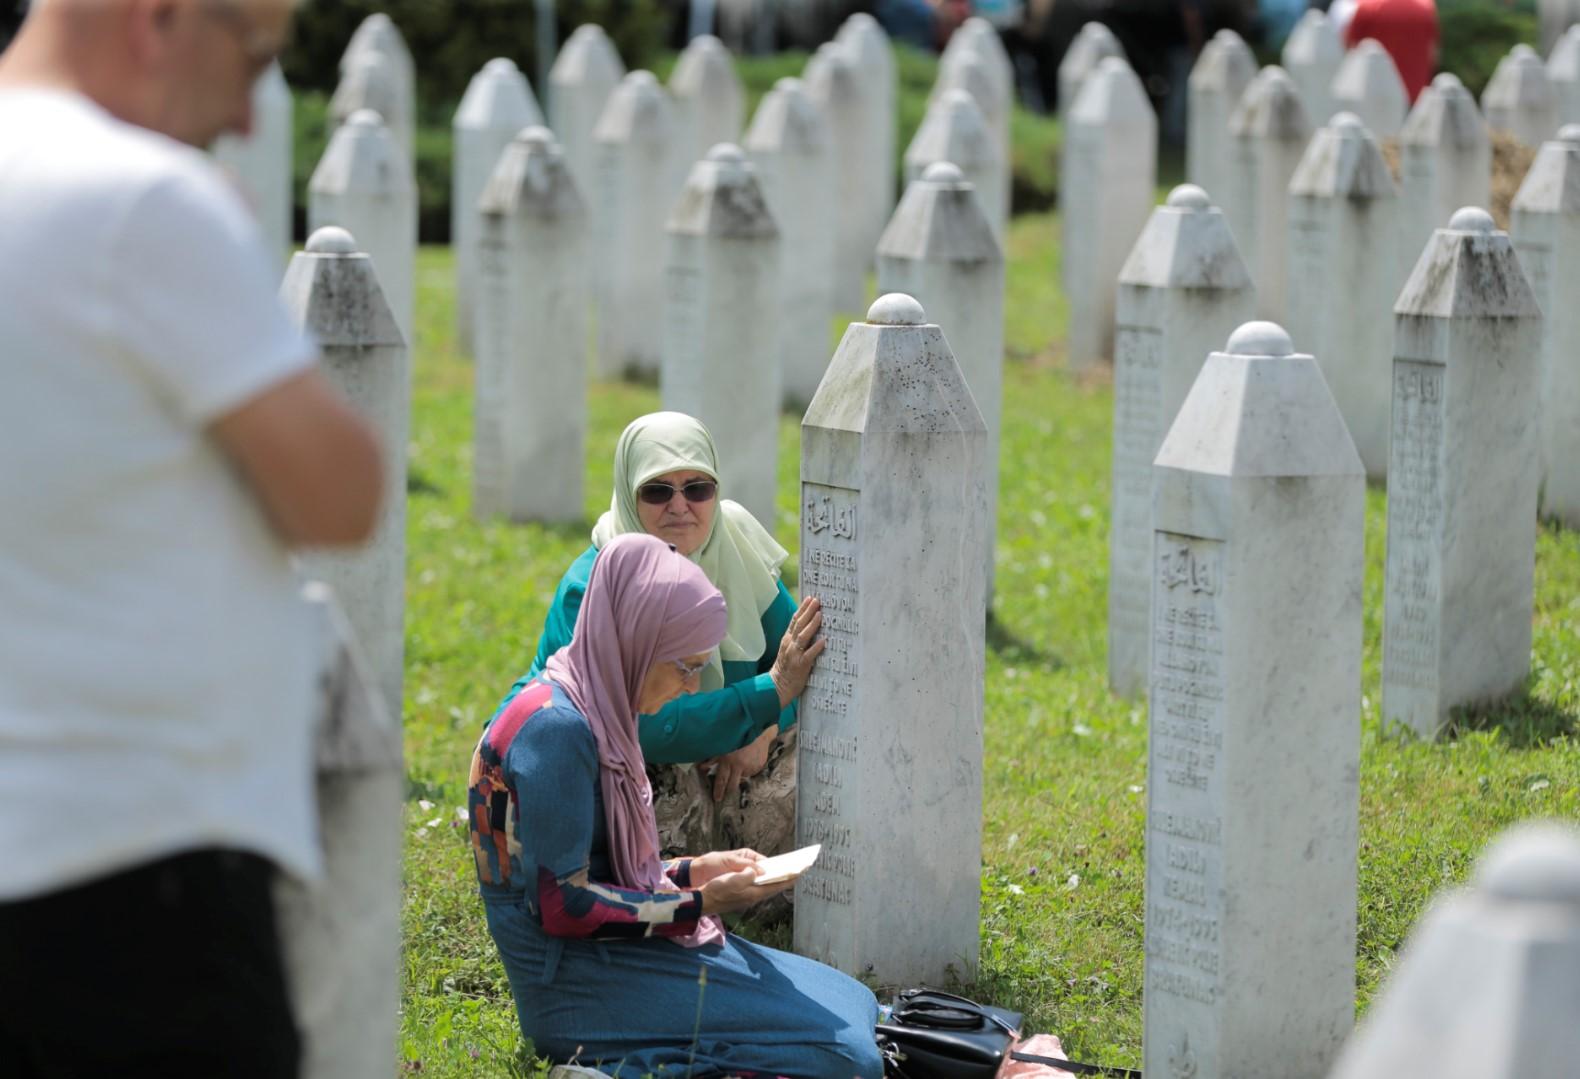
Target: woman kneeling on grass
column 605, row 946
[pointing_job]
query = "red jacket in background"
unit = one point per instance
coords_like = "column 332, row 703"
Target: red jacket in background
column 1407, row 29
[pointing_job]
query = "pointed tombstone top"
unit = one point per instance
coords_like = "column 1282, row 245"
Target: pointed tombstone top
column 953, row 129
column 498, row 97
column 1552, row 185
column 705, row 70
column 1563, row 63
column 362, row 156
column 378, row 33
column 331, row 290
column 637, row 111
column 787, row 120
column 723, row 199
column 272, row 87
column 1226, row 64
column 866, row 43
column 1090, row 46
column 1313, row 42
column 1186, row 244
column 587, row 56
column 1369, row 74
column 369, row 80
column 939, row 219
column 1112, row 97
column 831, row 79
column 1271, row 108
column 976, row 35
column 1260, row 409
column 532, row 179
column 1468, row 270
column 1343, row 160
column 1519, row 88
column 967, row 72
column 1445, row 115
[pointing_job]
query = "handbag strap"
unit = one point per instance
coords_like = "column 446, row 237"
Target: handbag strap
column 1076, row 1066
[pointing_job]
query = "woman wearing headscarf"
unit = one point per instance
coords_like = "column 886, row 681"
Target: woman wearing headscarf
column 616, row 958
column 666, row 484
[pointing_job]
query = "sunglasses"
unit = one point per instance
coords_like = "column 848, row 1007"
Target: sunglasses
column 657, row 493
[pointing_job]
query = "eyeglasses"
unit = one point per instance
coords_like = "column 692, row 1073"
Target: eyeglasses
column 689, row 671
column 657, row 493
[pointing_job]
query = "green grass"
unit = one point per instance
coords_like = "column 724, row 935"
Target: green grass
column 1065, row 762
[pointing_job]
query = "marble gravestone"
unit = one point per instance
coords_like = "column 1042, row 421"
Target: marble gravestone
column 893, row 453
column 1487, row 982
column 940, row 250
column 332, row 291
column 378, row 35
column 1445, row 162
column 710, row 105
column 634, row 188
column 1254, row 729
column 497, row 105
column 1462, row 478
column 790, row 147
column 721, row 308
column 1312, row 55
column 1545, row 227
column 533, row 283
column 835, row 87
column 1368, row 84
column 363, row 184
column 370, row 81
column 584, row 74
column 1217, row 82
column 1563, row 71
column 1093, row 43
column 953, row 130
column 869, row 52
column 1268, row 136
column 1110, row 172
column 970, row 73
column 1182, row 291
column 1343, row 237
column 260, row 163
column 977, row 37
column 1519, row 98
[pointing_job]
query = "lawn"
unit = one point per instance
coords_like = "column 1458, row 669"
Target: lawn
column 1065, row 762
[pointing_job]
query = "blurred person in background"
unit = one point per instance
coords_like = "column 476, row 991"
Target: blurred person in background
column 1407, row 29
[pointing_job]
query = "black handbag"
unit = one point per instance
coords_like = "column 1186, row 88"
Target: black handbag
column 931, row 1034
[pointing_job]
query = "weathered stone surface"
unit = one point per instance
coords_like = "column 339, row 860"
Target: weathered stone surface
column 893, row 452
column 1312, row 55
column 261, row 162
column 1254, row 736
column 1093, row 43
column 1462, row 478
column 1445, row 162
column 869, row 51
column 1563, row 70
column 533, row 295
column 1519, row 98
column 1268, row 135
column 953, row 130
column 585, row 73
column 1343, row 222
column 836, row 88
column 372, row 80
column 1182, row 291
column 1222, row 72
column 710, row 105
column 1368, row 84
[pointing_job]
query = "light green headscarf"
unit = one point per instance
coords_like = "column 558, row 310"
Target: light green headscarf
column 739, row 556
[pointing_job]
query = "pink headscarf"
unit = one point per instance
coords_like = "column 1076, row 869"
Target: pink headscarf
column 644, row 603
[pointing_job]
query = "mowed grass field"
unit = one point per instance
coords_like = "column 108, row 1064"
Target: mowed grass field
column 1065, row 762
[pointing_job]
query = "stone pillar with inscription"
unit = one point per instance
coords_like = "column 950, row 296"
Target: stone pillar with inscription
column 1267, row 135
column 1254, row 728
column 1224, row 69
column 1463, row 468
column 893, row 522
column 1182, row 291
column 1445, row 162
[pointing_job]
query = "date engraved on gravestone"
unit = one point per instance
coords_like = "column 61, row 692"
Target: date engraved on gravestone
column 827, row 742
column 1185, row 840
column 1415, row 519
column 1138, row 421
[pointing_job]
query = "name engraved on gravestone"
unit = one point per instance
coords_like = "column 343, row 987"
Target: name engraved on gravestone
column 1185, row 848
column 1415, row 519
column 828, row 749
column 1138, row 416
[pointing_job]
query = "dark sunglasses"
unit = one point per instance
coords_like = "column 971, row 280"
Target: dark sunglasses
column 657, row 494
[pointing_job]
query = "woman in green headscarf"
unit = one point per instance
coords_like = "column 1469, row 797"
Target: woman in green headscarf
column 739, row 727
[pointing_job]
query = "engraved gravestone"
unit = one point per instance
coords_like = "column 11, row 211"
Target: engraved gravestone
column 892, row 458
column 1254, row 727
column 836, row 89
column 530, row 415
column 1182, row 291
column 1368, row 84
column 1217, row 82
column 1462, row 478
column 1268, row 135
column 1519, row 99
column 261, row 160
column 710, row 105
column 953, row 130
column 1445, row 162
column 1312, row 55
column 585, row 73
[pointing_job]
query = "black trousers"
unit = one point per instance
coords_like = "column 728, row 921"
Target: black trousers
column 171, row 969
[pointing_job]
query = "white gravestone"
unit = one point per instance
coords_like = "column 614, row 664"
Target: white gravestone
column 634, row 189
column 1093, row 43
column 1462, row 478
column 835, row 87
column 530, row 418
column 790, row 147
column 1217, row 82
column 261, row 162
column 1182, row 291
column 363, row 184
column 378, row 34
column 1519, row 98
column 497, row 105
column 1268, row 136
column 869, row 51
column 978, row 37
column 1445, row 162
column 1554, row 17
column 1254, row 731
column 332, row 291
column 710, row 105
column 1343, row 238
column 721, row 307
column 585, row 73
column 970, row 73
column 1545, row 227
column 371, row 81
column 1368, row 84
column 1312, row 55
column 940, row 250
column 1487, row 982
column 953, row 130
column 1563, row 69
column 893, row 452
column 1108, row 191
column 340, row 937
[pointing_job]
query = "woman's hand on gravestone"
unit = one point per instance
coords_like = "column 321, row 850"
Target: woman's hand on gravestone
column 736, row 891
column 716, row 863
column 798, row 650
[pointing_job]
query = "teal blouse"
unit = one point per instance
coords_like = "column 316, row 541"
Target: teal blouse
column 699, row 725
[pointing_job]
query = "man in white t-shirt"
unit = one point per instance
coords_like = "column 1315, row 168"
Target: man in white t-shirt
column 165, row 440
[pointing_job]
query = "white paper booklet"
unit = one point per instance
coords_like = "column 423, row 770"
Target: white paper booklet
column 789, row 866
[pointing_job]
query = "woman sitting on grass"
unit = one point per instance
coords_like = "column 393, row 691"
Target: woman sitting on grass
column 615, row 958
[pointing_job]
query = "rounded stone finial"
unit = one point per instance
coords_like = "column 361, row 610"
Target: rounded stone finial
column 1537, row 862
column 1447, row 80
column 365, row 118
column 1111, row 63
column 896, row 309
column 1471, row 219
column 1189, row 197
column 1260, row 339
column 943, row 172
column 536, row 135
column 790, row 83
column 861, row 18
column 641, row 77
column 1522, row 51
column 331, row 240
column 1570, row 133
column 957, row 99
column 500, row 65
column 726, row 153
column 1348, row 123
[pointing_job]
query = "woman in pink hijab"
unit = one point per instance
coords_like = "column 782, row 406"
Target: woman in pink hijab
column 605, row 945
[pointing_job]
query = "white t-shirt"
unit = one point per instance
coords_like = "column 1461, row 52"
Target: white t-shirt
column 155, row 675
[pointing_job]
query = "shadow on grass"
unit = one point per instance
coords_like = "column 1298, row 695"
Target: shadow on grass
column 419, row 484
column 1525, row 721
column 1014, row 649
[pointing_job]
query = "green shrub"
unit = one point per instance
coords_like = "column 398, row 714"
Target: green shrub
column 1476, row 34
